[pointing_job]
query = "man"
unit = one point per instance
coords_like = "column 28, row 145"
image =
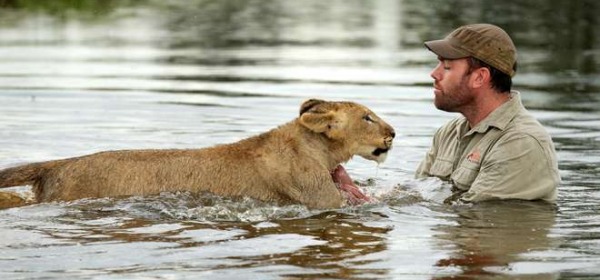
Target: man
column 496, row 150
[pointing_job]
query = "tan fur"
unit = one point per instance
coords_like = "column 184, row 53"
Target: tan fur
column 10, row 199
column 289, row 164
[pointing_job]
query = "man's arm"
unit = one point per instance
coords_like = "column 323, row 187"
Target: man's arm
column 424, row 168
column 349, row 190
column 425, row 165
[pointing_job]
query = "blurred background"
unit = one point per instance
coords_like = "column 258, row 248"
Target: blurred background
column 557, row 39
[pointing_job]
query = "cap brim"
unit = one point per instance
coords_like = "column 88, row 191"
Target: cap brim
column 444, row 49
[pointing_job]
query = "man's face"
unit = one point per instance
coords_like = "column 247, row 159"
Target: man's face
column 452, row 93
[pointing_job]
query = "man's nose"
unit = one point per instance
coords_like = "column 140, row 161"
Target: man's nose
column 435, row 74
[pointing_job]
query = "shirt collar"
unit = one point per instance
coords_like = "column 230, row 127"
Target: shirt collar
column 501, row 117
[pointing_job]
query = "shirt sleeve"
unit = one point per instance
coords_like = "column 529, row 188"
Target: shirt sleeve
column 517, row 167
column 425, row 165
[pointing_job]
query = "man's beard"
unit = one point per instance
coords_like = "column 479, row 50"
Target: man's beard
column 454, row 98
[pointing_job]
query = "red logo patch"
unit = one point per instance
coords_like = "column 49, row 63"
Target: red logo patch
column 474, row 156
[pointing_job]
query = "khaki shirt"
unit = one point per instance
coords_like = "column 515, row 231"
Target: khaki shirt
column 508, row 155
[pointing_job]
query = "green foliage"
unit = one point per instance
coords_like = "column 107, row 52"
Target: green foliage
column 65, row 8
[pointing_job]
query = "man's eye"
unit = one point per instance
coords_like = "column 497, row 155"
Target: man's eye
column 446, row 65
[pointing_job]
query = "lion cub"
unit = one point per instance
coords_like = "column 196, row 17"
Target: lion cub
column 289, row 164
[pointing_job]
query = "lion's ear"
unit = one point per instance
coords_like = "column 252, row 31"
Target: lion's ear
column 318, row 122
column 321, row 117
column 309, row 104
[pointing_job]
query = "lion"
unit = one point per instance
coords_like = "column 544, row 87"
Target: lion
column 291, row 164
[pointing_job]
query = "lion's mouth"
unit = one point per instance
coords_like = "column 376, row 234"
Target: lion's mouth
column 377, row 152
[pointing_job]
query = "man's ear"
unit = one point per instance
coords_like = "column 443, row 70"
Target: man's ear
column 480, row 77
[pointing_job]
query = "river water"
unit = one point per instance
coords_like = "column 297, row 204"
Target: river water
column 78, row 77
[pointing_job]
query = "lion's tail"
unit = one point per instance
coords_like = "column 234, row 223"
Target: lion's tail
column 26, row 174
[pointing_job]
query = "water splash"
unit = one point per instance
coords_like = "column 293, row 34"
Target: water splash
column 204, row 207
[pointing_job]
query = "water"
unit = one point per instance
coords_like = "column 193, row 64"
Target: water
column 87, row 76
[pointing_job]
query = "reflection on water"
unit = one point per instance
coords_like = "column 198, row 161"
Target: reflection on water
column 77, row 77
column 491, row 237
column 291, row 237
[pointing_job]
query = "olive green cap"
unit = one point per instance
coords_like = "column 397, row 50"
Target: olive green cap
column 486, row 42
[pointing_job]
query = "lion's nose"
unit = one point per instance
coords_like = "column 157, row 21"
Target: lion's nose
column 391, row 131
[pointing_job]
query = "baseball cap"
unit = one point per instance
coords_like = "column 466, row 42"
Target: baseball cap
column 486, row 42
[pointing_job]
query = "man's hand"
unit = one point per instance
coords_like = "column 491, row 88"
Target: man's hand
column 349, row 190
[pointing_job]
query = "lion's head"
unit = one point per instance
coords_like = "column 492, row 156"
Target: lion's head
column 353, row 125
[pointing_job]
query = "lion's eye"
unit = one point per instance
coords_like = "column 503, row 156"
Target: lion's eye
column 368, row 118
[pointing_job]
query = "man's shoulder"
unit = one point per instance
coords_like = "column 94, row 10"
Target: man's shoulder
column 527, row 134
column 524, row 125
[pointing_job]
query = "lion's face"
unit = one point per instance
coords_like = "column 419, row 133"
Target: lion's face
column 356, row 127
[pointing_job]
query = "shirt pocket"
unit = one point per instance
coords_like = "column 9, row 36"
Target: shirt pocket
column 464, row 176
column 441, row 168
